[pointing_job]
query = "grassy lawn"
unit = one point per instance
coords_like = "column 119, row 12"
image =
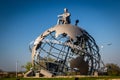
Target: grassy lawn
column 82, row 78
column 37, row 79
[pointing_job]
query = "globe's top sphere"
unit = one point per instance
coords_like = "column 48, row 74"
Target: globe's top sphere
column 71, row 30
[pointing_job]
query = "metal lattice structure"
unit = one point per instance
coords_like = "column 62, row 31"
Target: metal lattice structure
column 65, row 48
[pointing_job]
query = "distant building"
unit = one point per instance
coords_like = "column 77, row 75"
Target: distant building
column 3, row 74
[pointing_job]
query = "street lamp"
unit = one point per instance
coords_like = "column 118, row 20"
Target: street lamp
column 16, row 68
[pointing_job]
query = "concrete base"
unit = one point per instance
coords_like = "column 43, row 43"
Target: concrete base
column 46, row 73
column 37, row 75
column 42, row 72
column 95, row 73
column 29, row 73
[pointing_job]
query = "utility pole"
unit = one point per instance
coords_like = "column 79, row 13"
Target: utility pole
column 16, row 68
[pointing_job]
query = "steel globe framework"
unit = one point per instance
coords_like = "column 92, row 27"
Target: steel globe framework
column 65, row 48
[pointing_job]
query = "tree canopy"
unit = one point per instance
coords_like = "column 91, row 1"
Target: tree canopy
column 113, row 69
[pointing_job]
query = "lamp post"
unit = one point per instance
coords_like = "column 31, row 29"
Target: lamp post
column 104, row 68
column 16, row 68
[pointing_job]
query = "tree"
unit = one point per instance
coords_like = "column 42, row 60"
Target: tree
column 27, row 66
column 81, row 65
column 113, row 69
column 1, row 70
column 38, row 65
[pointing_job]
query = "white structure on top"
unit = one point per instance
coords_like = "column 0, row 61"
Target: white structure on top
column 64, row 18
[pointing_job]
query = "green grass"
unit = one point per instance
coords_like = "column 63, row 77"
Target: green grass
column 82, row 78
column 38, row 79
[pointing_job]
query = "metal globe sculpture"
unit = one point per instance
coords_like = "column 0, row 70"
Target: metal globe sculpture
column 65, row 48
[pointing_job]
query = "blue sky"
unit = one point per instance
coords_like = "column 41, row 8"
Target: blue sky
column 22, row 21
